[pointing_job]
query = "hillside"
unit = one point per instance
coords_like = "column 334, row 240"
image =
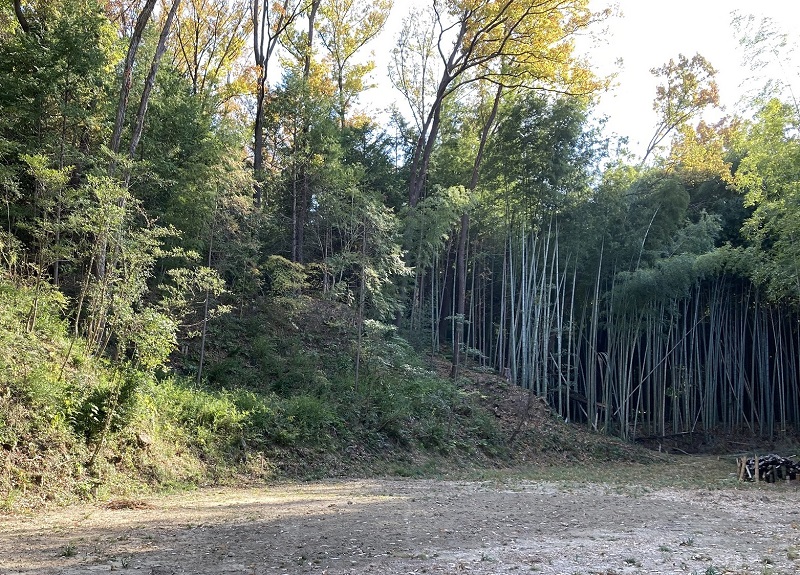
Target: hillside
column 284, row 405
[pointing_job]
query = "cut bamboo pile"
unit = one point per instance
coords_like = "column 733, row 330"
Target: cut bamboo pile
column 769, row 468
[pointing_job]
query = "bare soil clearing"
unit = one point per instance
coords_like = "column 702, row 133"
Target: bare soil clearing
column 417, row 526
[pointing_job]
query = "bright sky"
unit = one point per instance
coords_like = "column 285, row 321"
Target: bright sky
column 645, row 36
column 649, row 33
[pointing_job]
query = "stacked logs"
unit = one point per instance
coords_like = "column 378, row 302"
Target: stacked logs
column 769, row 468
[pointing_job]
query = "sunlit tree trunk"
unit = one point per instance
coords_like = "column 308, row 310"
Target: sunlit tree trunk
column 138, row 126
column 127, row 78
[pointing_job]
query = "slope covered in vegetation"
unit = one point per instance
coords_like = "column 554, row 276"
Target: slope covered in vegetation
column 284, row 406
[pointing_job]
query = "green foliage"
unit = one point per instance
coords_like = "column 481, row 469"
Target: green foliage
column 298, row 390
column 375, row 153
column 285, row 366
column 453, row 159
column 228, row 369
column 238, row 243
column 190, row 299
column 696, row 237
column 364, row 248
column 115, row 402
column 768, row 175
column 720, row 200
column 286, row 278
column 385, row 351
column 656, row 214
column 431, row 222
column 300, row 420
column 670, row 279
column 191, row 164
column 152, row 337
column 312, row 420
column 726, row 261
column 207, row 416
column 415, row 411
column 541, row 158
column 636, row 219
column 307, row 159
column 55, row 79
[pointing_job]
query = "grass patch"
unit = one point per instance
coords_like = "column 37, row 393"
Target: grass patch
column 679, row 472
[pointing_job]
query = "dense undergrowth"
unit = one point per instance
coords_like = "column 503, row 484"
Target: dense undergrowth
column 281, row 404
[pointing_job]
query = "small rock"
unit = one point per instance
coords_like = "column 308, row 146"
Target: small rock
column 143, row 440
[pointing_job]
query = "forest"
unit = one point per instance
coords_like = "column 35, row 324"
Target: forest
column 205, row 234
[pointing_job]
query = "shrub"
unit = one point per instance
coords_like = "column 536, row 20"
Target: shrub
column 209, row 417
column 286, row 278
column 314, row 420
column 91, row 411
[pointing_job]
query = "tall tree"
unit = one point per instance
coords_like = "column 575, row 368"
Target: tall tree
column 127, row 77
column 461, row 250
column 209, row 40
column 415, row 64
column 21, row 18
column 507, row 42
column 345, row 27
column 54, row 80
column 150, row 81
column 270, row 20
column 127, row 80
column 510, row 44
column 688, row 88
column 300, row 44
column 768, row 175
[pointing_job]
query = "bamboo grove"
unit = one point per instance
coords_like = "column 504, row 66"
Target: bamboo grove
column 488, row 217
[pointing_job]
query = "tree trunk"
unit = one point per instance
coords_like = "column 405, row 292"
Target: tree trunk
column 122, row 107
column 461, row 266
column 301, row 216
column 127, row 77
column 461, row 290
column 151, row 79
column 422, row 156
column 266, row 34
column 23, row 22
column 258, row 137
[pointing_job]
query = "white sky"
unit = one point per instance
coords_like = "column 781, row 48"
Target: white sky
column 649, row 33
column 645, row 36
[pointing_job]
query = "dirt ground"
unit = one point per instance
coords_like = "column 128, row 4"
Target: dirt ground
column 417, row 526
